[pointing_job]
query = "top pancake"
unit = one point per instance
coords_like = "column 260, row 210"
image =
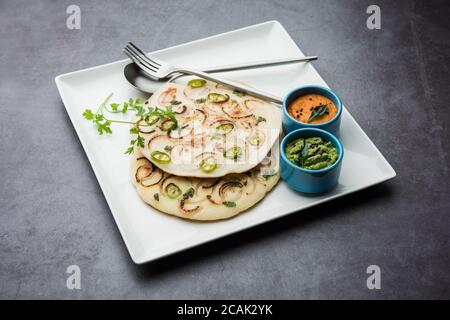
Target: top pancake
column 219, row 130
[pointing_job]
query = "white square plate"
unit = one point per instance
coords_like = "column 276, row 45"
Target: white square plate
column 150, row 234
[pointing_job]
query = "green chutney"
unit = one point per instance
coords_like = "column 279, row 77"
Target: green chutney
column 311, row 153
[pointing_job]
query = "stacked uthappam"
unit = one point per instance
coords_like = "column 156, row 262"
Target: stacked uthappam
column 207, row 150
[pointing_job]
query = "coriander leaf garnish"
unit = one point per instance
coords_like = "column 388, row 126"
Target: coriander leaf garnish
column 129, row 150
column 175, row 102
column 201, row 100
column 140, row 111
column 171, row 115
column 239, row 93
column 318, row 111
column 229, row 204
column 134, row 130
column 260, row 119
column 305, row 150
column 140, row 141
column 103, row 125
column 188, row 194
column 266, row 173
column 88, row 114
column 150, row 116
column 114, row 106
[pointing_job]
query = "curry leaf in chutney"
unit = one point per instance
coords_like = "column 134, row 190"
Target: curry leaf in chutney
column 317, row 112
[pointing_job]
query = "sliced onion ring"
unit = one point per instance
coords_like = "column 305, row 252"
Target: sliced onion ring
column 143, row 171
column 188, row 211
column 154, row 179
column 257, row 139
column 156, row 137
column 179, row 109
column 180, row 133
column 229, row 187
column 146, row 175
column 252, row 103
column 236, row 111
column 167, row 96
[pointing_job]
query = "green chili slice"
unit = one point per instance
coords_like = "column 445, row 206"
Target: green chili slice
column 172, row 191
column 196, row 83
column 225, row 128
column 233, row 153
column 254, row 140
column 208, row 164
column 152, row 119
column 168, row 125
column 218, row 98
column 160, row 157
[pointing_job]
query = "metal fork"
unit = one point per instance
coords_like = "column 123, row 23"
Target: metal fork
column 158, row 69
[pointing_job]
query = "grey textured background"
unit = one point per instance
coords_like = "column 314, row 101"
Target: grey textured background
column 394, row 81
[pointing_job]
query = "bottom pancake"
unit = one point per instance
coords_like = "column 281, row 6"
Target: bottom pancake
column 203, row 198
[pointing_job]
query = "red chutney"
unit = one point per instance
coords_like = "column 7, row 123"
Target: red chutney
column 302, row 108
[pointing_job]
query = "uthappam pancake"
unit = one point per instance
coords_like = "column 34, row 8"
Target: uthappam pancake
column 203, row 198
column 218, row 130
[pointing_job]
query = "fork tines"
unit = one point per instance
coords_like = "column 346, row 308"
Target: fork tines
column 140, row 58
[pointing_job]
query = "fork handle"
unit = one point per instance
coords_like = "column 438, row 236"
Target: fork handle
column 250, row 91
column 258, row 64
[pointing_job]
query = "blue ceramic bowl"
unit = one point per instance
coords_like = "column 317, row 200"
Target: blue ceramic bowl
column 291, row 124
column 310, row 181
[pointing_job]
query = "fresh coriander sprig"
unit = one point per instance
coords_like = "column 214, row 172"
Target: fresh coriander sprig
column 130, row 104
column 139, row 141
column 103, row 124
